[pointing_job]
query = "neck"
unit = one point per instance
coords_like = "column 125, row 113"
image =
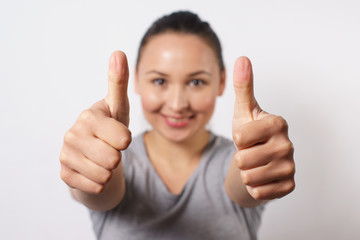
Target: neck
column 160, row 148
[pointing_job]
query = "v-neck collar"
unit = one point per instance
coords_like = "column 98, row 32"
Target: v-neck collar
column 160, row 183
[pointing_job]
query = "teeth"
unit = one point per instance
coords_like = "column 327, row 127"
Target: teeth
column 177, row 120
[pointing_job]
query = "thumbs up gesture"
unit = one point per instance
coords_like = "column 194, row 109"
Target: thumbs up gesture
column 90, row 157
column 265, row 153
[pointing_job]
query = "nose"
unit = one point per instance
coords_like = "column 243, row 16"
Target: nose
column 177, row 99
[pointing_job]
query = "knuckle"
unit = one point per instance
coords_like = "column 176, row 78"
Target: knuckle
column 292, row 169
column 245, row 177
column 80, row 127
column 113, row 160
column 63, row 158
column 256, row 194
column 239, row 158
column 107, row 176
column 125, row 139
column 288, row 169
column 239, row 138
column 87, row 115
column 104, row 177
column 286, row 149
column 69, row 137
column 279, row 123
column 289, row 187
column 289, row 147
column 66, row 176
column 97, row 189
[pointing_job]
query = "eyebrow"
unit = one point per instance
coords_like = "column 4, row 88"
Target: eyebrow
column 190, row 75
column 199, row 72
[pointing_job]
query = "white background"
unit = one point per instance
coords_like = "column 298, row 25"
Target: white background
column 53, row 64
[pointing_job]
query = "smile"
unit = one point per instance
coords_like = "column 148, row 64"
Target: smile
column 177, row 122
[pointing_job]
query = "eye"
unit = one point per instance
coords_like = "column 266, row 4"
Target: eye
column 159, row 81
column 196, row 82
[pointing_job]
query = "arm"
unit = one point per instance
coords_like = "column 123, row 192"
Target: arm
column 263, row 167
column 91, row 154
column 236, row 189
column 109, row 198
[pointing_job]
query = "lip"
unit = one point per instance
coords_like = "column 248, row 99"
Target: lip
column 177, row 121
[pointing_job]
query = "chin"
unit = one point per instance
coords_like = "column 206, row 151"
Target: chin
column 177, row 136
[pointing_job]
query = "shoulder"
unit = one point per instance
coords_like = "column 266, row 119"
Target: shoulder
column 222, row 144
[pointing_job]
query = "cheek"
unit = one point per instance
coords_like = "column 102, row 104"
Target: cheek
column 150, row 101
column 203, row 103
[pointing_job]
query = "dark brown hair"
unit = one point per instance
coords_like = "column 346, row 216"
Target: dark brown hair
column 183, row 22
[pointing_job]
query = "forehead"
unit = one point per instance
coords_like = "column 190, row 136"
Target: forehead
column 177, row 52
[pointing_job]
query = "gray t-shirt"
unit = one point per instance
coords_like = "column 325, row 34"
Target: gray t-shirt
column 201, row 211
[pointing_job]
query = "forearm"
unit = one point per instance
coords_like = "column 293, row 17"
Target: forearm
column 236, row 189
column 111, row 196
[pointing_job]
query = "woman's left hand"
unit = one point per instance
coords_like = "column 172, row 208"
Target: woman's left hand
column 265, row 153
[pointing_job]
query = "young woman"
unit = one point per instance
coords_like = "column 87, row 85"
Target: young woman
column 178, row 180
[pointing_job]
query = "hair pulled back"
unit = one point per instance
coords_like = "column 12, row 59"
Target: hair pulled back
column 183, row 22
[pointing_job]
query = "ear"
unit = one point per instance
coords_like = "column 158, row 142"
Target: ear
column 222, row 82
column 136, row 82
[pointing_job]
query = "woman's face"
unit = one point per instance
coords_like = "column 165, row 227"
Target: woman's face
column 178, row 78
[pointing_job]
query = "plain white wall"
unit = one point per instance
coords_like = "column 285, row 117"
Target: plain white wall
column 53, row 64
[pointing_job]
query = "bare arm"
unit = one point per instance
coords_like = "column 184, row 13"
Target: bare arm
column 109, row 198
column 263, row 168
column 91, row 153
column 236, row 189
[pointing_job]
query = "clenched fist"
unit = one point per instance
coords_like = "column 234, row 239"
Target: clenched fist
column 90, row 156
column 265, row 154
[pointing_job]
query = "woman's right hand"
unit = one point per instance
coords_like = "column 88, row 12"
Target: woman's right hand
column 91, row 148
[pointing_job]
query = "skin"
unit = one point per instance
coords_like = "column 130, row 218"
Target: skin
column 264, row 162
column 178, row 79
column 90, row 156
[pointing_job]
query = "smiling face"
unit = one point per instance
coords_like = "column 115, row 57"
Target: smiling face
column 178, row 78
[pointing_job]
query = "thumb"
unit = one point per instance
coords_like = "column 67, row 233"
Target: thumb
column 118, row 76
column 245, row 102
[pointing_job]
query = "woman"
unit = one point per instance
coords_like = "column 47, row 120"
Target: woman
column 178, row 180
